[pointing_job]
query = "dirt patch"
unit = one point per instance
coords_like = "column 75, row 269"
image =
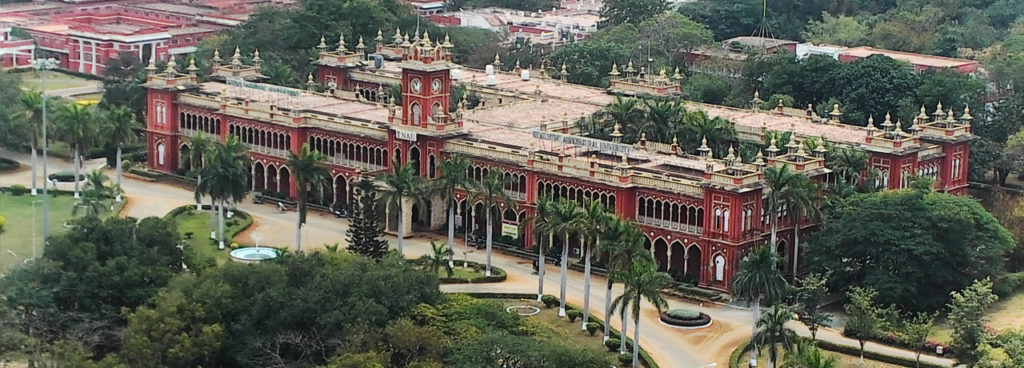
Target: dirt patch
column 245, row 237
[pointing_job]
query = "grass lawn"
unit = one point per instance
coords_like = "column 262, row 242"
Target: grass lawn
column 460, row 272
column 17, row 236
column 845, row 361
column 198, row 223
column 567, row 333
column 1006, row 314
column 54, row 81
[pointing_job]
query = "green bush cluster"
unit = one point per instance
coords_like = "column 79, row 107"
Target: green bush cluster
column 612, row 344
column 573, row 314
column 549, row 301
column 684, row 314
column 1008, row 284
column 592, row 328
column 17, row 190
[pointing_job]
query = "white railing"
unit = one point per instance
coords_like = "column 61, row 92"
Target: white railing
column 519, row 196
column 267, row 150
column 338, row 160
column 666, row 224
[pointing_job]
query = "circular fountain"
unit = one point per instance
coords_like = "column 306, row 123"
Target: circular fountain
column 254, row 254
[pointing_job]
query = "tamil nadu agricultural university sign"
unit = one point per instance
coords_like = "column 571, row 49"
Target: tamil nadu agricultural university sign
column 603, row 146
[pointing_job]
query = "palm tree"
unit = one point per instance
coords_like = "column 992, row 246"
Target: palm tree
column 396, row 187
column 778, row 180
column 642, row 281
column 563, row 222
column 623, row 111
column 280, row 75
column 491, row 191
column 594, row 219
column 663, row 119
column 809, row 356
column 439, row 258
column 453, row 177
column 542, row 222
column 309, row 174
column 772, row 332
column 849, row 164
column 201, row 148
column 120, row 129
column 758, row 280
column 781, row 138
column 92, row 197
column 623, row 242
column 77, row 125
column 697, row 125
column 802, row 200
column 226, row 177
column 31, row 113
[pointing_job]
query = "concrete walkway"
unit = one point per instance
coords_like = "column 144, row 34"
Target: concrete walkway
column 669, row 346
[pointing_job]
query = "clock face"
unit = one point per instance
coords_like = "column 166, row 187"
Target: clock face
column 436, row 85
column 416, row 85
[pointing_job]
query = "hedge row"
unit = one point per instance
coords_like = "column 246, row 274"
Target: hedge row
column 736, row 356
column 146, row 173
column 497, row 275
column 645, row 358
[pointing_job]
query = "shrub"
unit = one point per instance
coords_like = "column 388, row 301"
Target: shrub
column 18, row 190
column 612, row 344
column 592, row 327
column 1008, row 284
column 234, row 245
column 573, row 315
column 684, row 314
column 626, row 359
column 549, row 300
column 126, row 165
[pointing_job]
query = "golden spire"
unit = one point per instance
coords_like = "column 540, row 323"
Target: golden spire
column 949, row 117
column 615, row 70
column 405, row 42
column 151, row 68
column 517, row 65
column 967, row 114
column 800, row 150
column 616, row 133
column 704, row 143
column 938, row 111
column 888, row 121
column 732, row 154
column 899, row 126
column 773, row 147
column 216, row 57
column 192, row 66
column 923, row 116
column 780, row 103
column 360, row 45
column 760, row 158
column 236, row 59
column 256, row 57
column 310, row 79
column 871, row 122
column 835, row 114
column 447, row 41
column 341, row 43
column 675, row 141
column 629, row 67
column 564, row 72
column 170, row 66
column 380, row 36
column 676, row 76
column 497, row 59
column 643, row 136
column 398, row 36
column 323, row 43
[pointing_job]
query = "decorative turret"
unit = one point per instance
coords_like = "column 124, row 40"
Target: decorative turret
column 835, row 114
column 966, row 117
column 755, row 103
column 704, row 150
column 191, row 69
column 497, row 61
column 236, row 59
column 563, row 75
column 398, row 39
column 256, row 61
column 773, row 148
column 676, row 76
column 323, row 44
column 171, row 65
column 616, row 133
column 871, row 123
column 215, row 62
column 379, row 40
column 310, row 83
column 236, row 69
column 151, row 68
column 360, row 47
column 615, row 70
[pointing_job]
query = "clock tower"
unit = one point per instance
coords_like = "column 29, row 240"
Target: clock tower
column 427, row 87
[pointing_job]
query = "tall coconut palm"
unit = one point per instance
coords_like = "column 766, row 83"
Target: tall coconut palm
column 225, row 178
column 642, row 281
column 563, row 222
column 801, row 199
column 201, row 148
column 542, row 228
column 31, row 113
column 396, row 188
column 491, row 191
column 778, row 180
column 96, row 190
column 849, row 164
column 309, row 175
column 626, row 112
column 622, row 243
column 697, row 125
column 453, row 177
column 438, row 258
column 758, row 280
column 78, row 126
column 594, row 218
column 772, row 332
column 120, row 129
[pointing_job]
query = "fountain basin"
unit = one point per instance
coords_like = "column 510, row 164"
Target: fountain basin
column 253, row 254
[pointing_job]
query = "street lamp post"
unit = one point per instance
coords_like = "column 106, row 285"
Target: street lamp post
column 34, row 225
column 43, row 65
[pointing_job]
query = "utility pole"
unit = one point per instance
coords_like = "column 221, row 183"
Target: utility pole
column 43, row 65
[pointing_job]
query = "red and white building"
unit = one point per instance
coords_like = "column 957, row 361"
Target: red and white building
column 14, row 52
column 701, row 213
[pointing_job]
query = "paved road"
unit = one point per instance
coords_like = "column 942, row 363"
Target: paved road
column 669, row 346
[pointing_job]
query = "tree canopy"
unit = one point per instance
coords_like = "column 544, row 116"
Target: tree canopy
column 896, row 242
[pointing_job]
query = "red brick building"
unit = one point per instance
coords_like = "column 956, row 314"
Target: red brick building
column 700, row 213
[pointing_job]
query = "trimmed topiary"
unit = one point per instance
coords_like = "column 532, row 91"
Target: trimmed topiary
column 685, row 318
column 592, row 328
column 626, row 359
column 612, row 344
column 18, row 189
column 572, row 314
column 549, row 301
column 683, row 314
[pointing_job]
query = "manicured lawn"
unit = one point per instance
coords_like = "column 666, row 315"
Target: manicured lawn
column 845, row 361
column 54, row 81
column 198, row 223
column 567, row 333
column 461, row 272
column 17, row 236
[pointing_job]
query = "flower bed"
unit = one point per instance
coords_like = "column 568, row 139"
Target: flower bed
column 685, row 318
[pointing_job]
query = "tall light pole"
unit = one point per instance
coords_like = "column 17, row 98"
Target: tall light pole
column 42, row 65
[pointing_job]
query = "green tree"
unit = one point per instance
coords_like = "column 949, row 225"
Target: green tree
column 808, row 298
column 309, row 174
column 201, row 147
column 932, row 231
column 491, row 192
column 161, row 335
column 874, row 85
column 453, row 177
column 840, row 30
column 779, row 182
column 588, row 63
column 595, row 218
column 563, row 223
column 801, row 200
column 542, row 222
column 809, row 356
column 967, row 317
column 365, row 229
column 915, row 333
column 398, row 187
column 78, row 126
column 698, row 127
column 772, row 332
column 625, row 112
column 849, row 164
column 30, row 113
column 642, row 281
column 671, row 35
column 120, row 129
column 758, row 280
column 226, row 178
column 623, row 245
column 706, row 88
column 862, row 315
column 438, row 258
column 96, row 190
column 617, row 12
